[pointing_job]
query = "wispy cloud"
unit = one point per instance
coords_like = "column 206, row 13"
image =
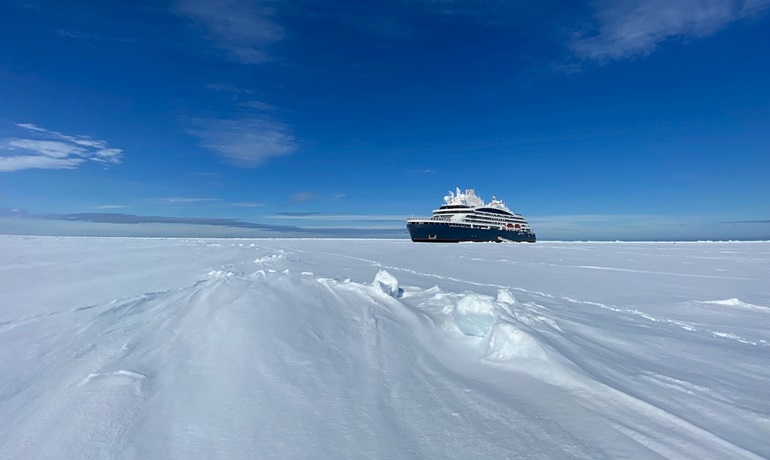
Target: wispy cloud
column 247, row 141
column 635, row 27
column 303, row 197
column 182, row 201
column 243, row 28
column 111, row 206
column 228, row 88
column 293, row 215
column 247, row 205
column 179, row 199
column 17, row 163
column 80, row 35
column 259, row 106
column 337, row 217
column 53, row 150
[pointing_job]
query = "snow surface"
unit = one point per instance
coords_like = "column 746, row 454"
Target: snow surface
column 196, row 348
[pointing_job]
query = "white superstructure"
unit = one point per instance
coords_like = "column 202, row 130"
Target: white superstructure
column 469, row 209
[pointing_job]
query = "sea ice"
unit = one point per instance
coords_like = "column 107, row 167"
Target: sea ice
column 277, row 348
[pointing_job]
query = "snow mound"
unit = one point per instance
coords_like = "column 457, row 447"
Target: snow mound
column 507, row 342
column 271, row 258
column 387, row 284
column 730, row 302
column 478, row 315
column 505, row 296
column 220, row 274
column 474, row 314
column 118, row 376
column 736, row 303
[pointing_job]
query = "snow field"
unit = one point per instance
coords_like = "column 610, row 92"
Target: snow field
column 131, row 348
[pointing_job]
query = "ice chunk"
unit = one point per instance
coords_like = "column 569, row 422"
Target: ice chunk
column 270, row 258
column 475, row 314
column 387, row 284
column 505, row 296
column 219, row 274
column 507, row 342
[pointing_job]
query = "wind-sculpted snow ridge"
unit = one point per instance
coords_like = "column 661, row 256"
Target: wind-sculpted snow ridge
column 737, row 304
column 327, row 349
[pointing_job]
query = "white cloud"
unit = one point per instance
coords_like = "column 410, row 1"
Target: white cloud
column 636, row 27
column 86, row 142
column 17, row 163
column 259, row 106
column 303, row 197
column 177, row 199
column 248, row 141
column 752, row 6
column 243, row 28
column 53, row 150
column 31, row 127
column 227, row 88
column 102, row 151
column 247, row 205
column 111, row 206
column 108, row 155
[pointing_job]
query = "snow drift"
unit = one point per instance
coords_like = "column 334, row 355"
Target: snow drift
column 133, row 348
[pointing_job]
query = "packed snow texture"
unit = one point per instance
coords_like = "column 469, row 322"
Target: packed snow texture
column 190, row 348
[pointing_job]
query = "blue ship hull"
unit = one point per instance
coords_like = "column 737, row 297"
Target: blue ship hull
column 429, row 232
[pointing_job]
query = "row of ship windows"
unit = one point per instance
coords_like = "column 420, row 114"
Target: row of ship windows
column 492, row 223
column 486, row 225
column 492, row 219
column 482, row 221
column 447, row 216
column 484, row 213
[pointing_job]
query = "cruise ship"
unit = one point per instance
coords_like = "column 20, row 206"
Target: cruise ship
column 465, row 217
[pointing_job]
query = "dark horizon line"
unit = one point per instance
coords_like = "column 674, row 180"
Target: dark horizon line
column 287, row 231
column 123, row 218
column 332, row 237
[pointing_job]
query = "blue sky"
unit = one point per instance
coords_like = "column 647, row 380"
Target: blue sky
column 635, row 119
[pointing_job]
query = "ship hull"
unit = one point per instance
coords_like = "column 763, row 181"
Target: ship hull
column 429, row 232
